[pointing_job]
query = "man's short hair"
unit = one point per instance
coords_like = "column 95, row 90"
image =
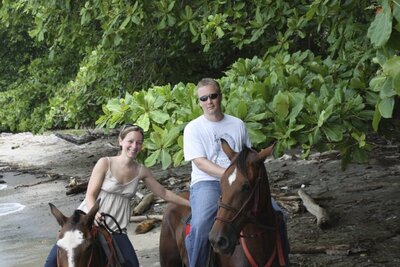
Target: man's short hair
column 207, row 82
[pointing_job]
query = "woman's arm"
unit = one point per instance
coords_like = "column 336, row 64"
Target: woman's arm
column 96, row 181
column 161, row 191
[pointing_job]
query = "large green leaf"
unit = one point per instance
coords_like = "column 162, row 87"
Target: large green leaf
column 359, row 155
column 166, row 159
column 178, row 158
column 144, row 121
column 242, row 110
column 170, row 137
column 159, row 116
column 152, row 159
column 380, row 29
column 396, row 83
column 333, row 132
column 377, row 82
column 387, row 89
column 386, row 107
column 281, row 104
column 392, row 66
column 376, row 119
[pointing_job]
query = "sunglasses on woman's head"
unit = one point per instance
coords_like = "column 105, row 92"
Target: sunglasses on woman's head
column 129, row 125
column 204, row 98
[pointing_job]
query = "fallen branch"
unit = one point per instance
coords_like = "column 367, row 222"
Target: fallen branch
column 290, row 206
column 144, row 204
column 284, row 197
column 141, row 218
column 53, row 177
column 312, row 207
column 145, row 226
column 78, row 140
column 328, row 249
column 77, row 188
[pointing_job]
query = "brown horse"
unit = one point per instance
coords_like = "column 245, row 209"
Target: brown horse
column 78, row 240
column 245, row 214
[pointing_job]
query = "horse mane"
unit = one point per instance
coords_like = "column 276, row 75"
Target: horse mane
column 240, row 160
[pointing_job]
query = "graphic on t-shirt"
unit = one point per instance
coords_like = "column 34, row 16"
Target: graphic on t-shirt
column 220, row 158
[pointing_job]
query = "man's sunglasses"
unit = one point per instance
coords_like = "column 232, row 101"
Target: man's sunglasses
column 204, row 98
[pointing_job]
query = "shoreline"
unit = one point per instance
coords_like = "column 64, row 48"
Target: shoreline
column 36, row 170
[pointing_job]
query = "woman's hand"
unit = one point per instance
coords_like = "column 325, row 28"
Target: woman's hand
column 98, row 219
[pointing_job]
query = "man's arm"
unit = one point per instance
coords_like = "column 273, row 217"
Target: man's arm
column 209, row 167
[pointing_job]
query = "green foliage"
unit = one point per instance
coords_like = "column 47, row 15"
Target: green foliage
column 384, row 33
column 316, row 74
column 162, row 112
column 290, row 99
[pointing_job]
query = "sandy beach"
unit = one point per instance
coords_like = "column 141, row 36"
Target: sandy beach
column 362, row 200
column 29, row 164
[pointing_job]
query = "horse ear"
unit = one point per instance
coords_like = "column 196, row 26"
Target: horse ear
column 264, row 153
column 227, row 149
column 92, row 213
column 61, row 219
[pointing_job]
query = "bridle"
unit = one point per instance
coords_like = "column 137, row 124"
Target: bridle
column 95, row 231
column 242, row 213
column 251, row 216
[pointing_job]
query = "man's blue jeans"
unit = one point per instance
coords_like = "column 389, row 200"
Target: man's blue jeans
column 204, row 198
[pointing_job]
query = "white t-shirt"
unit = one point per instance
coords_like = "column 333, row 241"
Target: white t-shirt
column 202, row 138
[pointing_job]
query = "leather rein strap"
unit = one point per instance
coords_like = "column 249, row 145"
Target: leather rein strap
column 278, row 249
column 240, row 211
column 114, row 220
column 281, row 257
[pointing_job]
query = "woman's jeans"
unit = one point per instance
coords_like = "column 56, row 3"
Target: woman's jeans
column 204, row 198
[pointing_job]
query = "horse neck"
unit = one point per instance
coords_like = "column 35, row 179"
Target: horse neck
column 259, row 239
column 265, row 212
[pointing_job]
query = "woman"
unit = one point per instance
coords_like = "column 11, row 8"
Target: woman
column 114, row 180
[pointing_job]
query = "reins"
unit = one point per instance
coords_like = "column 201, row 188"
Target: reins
column 251, row 216
column 254, row 211
column 114, row 220
column 112, row 254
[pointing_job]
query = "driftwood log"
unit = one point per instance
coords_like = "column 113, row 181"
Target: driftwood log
column 144, row 204
column 343, row 249
column 141, row 218
column 77, row 188
column 78, row 140
column 320, row 213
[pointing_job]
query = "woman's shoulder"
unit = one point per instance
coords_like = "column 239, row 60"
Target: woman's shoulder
column 144, row 171
column 104, row 162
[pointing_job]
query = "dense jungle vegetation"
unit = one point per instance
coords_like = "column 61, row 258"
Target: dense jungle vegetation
column 318, row 74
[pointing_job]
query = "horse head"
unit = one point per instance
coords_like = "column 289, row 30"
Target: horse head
column 245, row 198
column 75, row 239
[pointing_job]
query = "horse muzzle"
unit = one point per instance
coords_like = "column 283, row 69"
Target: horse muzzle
column 222, row 243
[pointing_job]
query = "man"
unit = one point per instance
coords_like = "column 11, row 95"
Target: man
column 202, row 146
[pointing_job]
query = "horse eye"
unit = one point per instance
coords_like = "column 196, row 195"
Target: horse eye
column 246, row 187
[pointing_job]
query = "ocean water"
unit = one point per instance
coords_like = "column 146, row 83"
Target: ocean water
column 27, row 228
